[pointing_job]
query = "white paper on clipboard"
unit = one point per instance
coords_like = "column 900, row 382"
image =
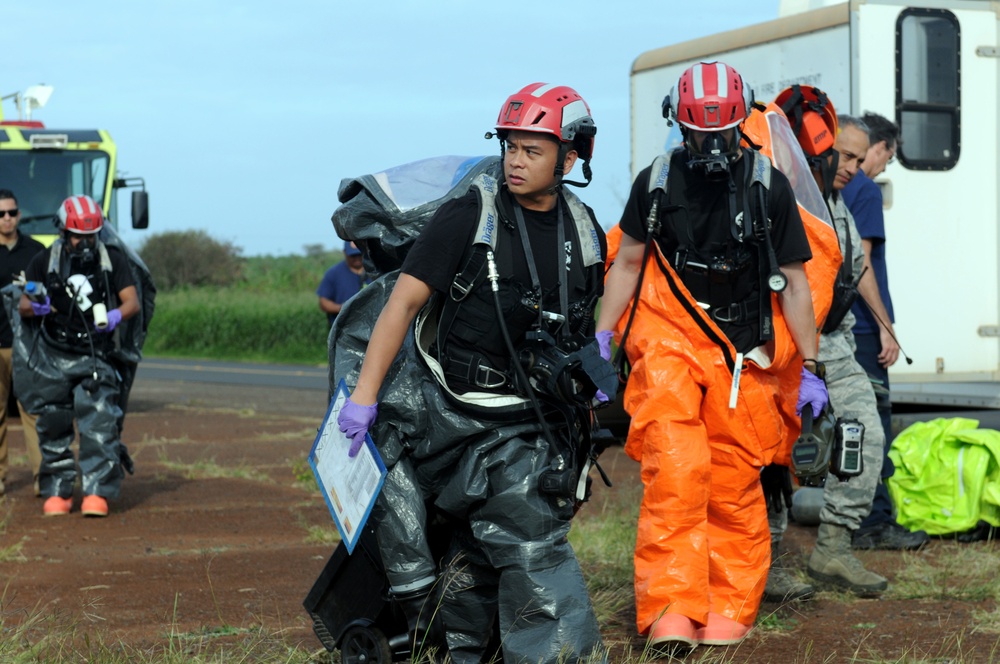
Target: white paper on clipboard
column 349, row 486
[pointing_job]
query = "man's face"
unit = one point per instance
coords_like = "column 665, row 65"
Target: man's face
column 852, row 144
column 529, row 166
column 9, row 216
column 878, row 157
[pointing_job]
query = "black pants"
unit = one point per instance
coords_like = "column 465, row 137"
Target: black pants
column 869, row 346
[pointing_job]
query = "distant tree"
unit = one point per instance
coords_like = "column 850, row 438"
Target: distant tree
column 190, row 258
column 315, row 251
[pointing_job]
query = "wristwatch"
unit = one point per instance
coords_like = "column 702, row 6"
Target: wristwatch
column 818, row 367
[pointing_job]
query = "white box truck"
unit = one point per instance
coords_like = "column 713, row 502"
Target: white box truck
column 934, row 68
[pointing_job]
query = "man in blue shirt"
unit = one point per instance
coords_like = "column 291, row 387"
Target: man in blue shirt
column 341, row 282
column 877, row 349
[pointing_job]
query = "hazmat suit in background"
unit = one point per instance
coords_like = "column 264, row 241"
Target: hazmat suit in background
column 75, row 355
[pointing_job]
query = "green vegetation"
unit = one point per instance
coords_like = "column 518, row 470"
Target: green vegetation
column 212, row 303
column 239, row 324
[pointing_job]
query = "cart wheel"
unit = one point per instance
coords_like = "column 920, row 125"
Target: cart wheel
column 365, row 645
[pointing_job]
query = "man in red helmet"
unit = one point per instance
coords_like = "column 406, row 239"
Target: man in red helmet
column 711, row 259
column 88, row 291
column 509, row 275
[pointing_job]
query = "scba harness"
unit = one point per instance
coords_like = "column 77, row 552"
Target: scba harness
column 717, row 282
column 469, row 345
column 76, row 282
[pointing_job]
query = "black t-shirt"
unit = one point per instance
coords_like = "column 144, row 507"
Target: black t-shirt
column 442, row 248
column 64, row 314
column 698, row 215
column 12, row 262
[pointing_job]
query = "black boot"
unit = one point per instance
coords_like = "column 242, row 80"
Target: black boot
column 420, row 607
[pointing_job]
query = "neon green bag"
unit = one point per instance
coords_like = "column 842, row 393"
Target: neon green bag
column 947, row 476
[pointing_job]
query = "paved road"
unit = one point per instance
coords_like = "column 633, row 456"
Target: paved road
column 240, row 373
column 290, row 389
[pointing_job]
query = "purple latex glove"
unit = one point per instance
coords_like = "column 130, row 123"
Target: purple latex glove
column 354, row 421
column 114, row 318
column 604, row 341
column 812, row 392
column 42, row 308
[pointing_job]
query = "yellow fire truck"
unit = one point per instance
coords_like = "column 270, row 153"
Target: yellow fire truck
column 44, row 166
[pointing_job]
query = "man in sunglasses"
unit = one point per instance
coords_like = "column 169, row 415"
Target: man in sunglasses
column 16, row 251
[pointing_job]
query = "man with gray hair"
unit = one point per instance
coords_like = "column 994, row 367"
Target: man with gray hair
column 877, row 348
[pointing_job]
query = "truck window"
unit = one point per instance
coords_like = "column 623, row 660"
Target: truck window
column 928, row 75
column 42, row 179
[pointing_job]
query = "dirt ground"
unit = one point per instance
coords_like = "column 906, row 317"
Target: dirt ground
column 212, row 535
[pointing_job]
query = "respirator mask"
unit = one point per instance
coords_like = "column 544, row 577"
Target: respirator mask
column 570, row 371
column 85, row 251
column 715, row 154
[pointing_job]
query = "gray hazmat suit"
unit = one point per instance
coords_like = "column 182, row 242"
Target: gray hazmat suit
column 508, row 558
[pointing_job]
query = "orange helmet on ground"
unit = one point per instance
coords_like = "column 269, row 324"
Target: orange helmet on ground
column 80, row 214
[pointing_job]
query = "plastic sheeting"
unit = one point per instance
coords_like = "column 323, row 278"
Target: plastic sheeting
column 947, row 476
column 384, row 212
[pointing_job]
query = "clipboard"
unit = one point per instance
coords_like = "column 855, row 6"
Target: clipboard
column 349, row 486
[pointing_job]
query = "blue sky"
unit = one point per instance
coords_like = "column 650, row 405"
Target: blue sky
column 243, row 117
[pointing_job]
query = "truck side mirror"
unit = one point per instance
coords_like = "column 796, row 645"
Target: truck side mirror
column 140, row 210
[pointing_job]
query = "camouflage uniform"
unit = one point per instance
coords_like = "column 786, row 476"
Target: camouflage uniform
column 847, row 502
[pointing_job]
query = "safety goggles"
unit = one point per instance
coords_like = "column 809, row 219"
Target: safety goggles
column 9, row 213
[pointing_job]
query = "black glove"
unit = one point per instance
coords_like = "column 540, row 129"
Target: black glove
column 776, row 481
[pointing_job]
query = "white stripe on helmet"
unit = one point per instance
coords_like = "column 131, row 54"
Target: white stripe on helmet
column 573, row 111
column 699, row 83
column 723, row 79
column 543, row 89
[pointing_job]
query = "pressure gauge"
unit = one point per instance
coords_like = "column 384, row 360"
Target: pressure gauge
column 777, row 281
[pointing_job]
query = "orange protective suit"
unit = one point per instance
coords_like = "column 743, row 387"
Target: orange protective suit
column 703, row 542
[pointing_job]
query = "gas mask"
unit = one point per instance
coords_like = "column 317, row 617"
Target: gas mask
column 85, row 252
column 714, row 157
